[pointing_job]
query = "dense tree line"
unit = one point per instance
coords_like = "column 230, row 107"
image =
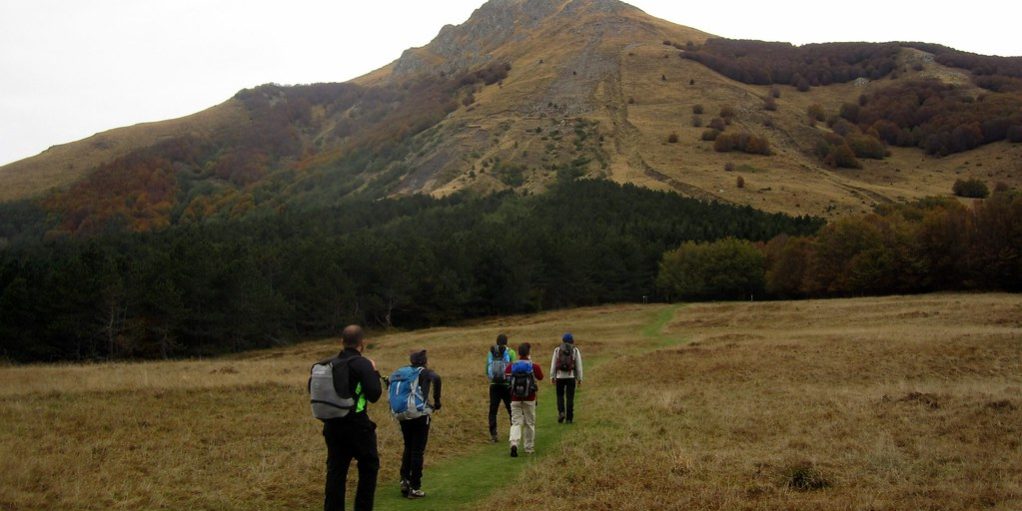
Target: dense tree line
column 203, row 288
column 937, row 117
column 999, row 74
column 931, row 245
column 937, row 244
column 765, row 63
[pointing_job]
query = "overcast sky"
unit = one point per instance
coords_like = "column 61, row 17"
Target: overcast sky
column 72, row 68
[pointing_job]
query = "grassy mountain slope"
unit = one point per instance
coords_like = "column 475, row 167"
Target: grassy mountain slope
column 870, row 403
column 523, row 93
column 62, row 165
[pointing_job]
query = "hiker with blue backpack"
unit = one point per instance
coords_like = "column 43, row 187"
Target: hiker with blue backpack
column 341, row 388
column 498, row 359
column 408, row 393
column 522, row 377
column 566, row 374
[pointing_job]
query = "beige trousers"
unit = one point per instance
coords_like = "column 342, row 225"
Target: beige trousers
column 523, row 424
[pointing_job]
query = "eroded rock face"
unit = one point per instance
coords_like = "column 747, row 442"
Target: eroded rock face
column 491, row 26
column 467, row 45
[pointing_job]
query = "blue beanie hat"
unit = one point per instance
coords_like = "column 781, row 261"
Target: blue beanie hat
column 568, row 338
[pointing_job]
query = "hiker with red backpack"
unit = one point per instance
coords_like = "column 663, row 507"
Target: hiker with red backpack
column 498, row 359
column 566, row 374
column 522, row 376
column 408, row 392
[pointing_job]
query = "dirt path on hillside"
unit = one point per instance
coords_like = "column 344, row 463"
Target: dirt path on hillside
column 627, row 136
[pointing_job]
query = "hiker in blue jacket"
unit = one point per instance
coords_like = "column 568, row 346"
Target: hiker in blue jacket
column 416, row 431
column 497, row 359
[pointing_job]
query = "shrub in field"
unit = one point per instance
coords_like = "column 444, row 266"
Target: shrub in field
column 841, row 156
column 744, row 142
column 804, row 476
column 710, row 135
column 971, row 188
column 816, row 112
column 866, row 146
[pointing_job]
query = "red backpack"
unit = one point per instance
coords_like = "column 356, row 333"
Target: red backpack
column 566, row 357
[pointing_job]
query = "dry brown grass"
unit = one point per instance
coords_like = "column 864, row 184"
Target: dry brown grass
column 875, row 403
column 236, row 432
column 892, row 403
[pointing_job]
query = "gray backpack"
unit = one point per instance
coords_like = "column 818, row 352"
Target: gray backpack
column 327, row 402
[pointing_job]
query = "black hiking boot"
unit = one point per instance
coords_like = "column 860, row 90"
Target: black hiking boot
column 514, row 451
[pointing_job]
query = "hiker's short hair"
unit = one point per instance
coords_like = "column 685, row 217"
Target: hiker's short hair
column 502, row 339
column 524, row 349
column 352, row 336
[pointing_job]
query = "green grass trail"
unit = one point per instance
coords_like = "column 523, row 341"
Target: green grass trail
column 458, row 483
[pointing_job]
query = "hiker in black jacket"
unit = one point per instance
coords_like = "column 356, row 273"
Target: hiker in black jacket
column 353, row 436
column 416, row 431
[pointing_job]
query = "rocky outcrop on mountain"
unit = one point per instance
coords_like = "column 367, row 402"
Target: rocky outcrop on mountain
column 490, row 27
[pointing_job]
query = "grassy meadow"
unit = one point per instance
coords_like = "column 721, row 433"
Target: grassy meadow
column 872, row 403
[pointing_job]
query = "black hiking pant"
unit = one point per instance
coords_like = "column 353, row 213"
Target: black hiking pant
column 416, row 434
column 566, row 398
column 499, row 393
column 347, row 439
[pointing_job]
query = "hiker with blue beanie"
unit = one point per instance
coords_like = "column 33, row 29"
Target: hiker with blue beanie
column 566, row 372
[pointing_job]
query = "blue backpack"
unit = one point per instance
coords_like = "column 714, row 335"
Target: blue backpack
column 523, row 382
column 405, row 395
column 498, row 363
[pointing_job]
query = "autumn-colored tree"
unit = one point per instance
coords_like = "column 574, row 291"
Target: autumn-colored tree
column 866, row 146
column 787, row 259
column 994, row 258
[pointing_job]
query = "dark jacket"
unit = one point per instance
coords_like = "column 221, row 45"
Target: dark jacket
column 363, row 380
column 428, row 378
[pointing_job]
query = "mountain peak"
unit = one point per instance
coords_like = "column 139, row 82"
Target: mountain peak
column 491, row 26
